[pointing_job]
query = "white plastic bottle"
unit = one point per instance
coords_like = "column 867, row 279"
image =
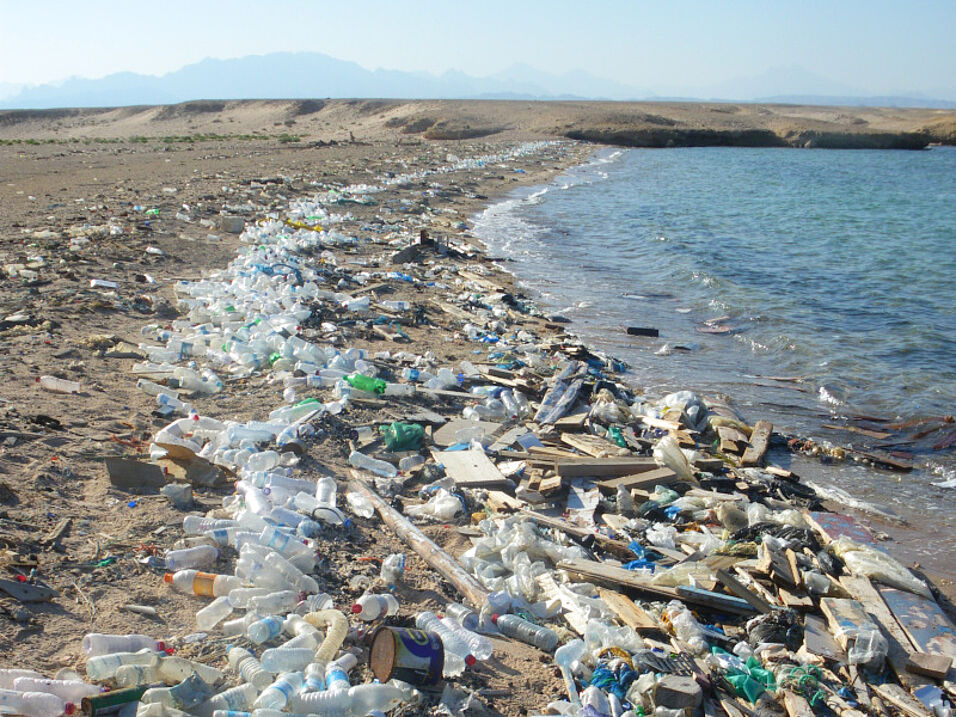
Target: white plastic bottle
column 465, row 615
column 214, row 613
column 95, row 644
column 287, row 659
column 513, row 626
column 372, row 465
column 373, row 607
column 265, row 629
column 359, row 504
column 427, row 620
column 249, row 668
column 69, row 690
column 277, row 695
column 277, row 602
column 195, row 582
column 198, row 557
column 103, row 667
column 325, row 490
column 479, row 645
column 8, row 675
column 236, row 699
column 197, row 524
column 34, row 704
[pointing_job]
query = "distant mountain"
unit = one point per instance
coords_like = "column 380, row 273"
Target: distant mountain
column 286, row 75
column 298, row 75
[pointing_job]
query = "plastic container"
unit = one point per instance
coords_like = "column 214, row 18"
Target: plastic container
column 359, row 504
column 520, row 629
column 58, row 385
column 236, row 699
column 34, row 704
column 478, row 645
column 198, row 557
column 8, row 675
column 373, row 607
column 195, row 582
column 277, row 602
column 392, row 568
column 95, row 644
column 465, row 615
column 265, row 629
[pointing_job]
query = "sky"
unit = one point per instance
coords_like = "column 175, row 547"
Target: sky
column 867, row 46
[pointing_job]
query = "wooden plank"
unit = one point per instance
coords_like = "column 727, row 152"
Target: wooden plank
column 759, row 440
column 576, row 619
column 627, row 612
column 741, row 591
column 895, row 695
column 551, row 452
column 499, row 501
column 594, row 446
column 470, row 468
column 935, row 666
column 923, row 621
column 618, row 547
column 899, row 645
column 794, row 569
column 573, row 422
column 662, row 476
column 508, row 438
column 796, row 706
column 797, row 602
column 834, row 525
column 603, row 467
column 846, row 617
column 751, row 582
column 817, row 640
column 628, row 579
column 732, row 440
column 660, row 423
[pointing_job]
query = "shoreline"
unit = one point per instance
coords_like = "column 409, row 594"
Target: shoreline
column 102, row 561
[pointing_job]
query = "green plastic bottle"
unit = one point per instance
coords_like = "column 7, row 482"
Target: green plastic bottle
column 614, row 434
column 365, row 383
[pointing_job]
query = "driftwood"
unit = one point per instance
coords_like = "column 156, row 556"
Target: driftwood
column 421, row 544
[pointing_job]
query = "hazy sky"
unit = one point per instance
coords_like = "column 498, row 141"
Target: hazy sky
column 873, row 46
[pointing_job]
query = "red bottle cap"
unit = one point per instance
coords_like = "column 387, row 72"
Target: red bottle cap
column 470, row 660
column 69, row 708
column 356, row 609
column 167, row 577
column 494, row 619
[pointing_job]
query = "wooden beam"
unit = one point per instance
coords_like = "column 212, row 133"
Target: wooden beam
column 471, row 469
column 603, row 467
column 663, row 476
column 759, row 440
column 627, row 612
column 741, row 591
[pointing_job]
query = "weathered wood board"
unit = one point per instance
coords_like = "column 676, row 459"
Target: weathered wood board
column 923, row 621
column 470, row 468
column 835, row 525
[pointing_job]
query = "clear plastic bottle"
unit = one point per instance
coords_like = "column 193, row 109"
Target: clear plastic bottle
column 239, row 625
column 480, row 646
column 373, row 607
column 327, row 702
column 34, row 704
column 248, row 667
column 69, row 690
column 284, row 543
column 59, row 385
column 265, row 629
column 198, row 557
column 513, row 626
column 103, row 667
column 95, row 644
column 315, row 677
column 359, row 504
column 310, row 506
column 175, row 669
column 410, row 463
column 136, row 675
column 369, row 698
column 336, row 677
column 465, row 615
column 197, row 524
column 452, row 643
column 392, row 568
column 277, row 602
column 372, row 465
column 9, row 674
column 242, row 597
column 214, row 613
column 195, row 582
column 235, row 698
column 287, row 659
column 277, row 695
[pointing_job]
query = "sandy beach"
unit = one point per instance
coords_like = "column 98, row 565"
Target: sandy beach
column 134, row 197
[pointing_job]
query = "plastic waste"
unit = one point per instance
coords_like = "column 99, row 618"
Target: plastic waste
column 95, row 644
column 359, row 504
column 520, row 629
column 198, row 557
column 478, row 645
column 34, row 704
column 248, row 667
column 68, row 690
column 372, row 465
column 442, row 506
column 402, row 436
column 373, row 607
column 277, row 695
column 392, row 568
column 103, row 667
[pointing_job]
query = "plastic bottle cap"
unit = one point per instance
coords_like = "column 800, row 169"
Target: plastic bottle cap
column 494, row 619
column 470, row 660
column 356, row 609
column 168, row 578
column 69, row 708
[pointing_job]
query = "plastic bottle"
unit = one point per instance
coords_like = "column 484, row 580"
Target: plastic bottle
column 315, row 677
column 197, row 524
column 187, row 694
column 513, row 626
column 452, row 643
column 359, row 504
column 410, row 463
column 262, row 461
column 287, row 659
column 239, row 625
column 103, row 667
column 465, row 615
column 248, row 667
column 8, row 675
column 479, row 646
column 34, row 704
column 214, row 613
column 325, row 491
column 373, row 607
column 136, row 675
column 265, row 629
column 441, row 506
column 69, row 690
column 369, row 698
column 372, row 465
column 235, row 698
column 277, row 602
column 392, row 568
column 175, row 669
column 365, row 383
column 242, row 597
column 198, row 557
column 59, row 385
column 95, row 644
column 195, row 582
column 277, row 695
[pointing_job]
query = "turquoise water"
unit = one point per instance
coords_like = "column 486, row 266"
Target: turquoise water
column 832, row 267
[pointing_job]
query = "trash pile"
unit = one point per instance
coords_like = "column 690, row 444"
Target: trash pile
column 644, row 545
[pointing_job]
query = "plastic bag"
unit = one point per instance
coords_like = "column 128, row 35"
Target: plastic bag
column 685, row 626
column 661, row 536
column 869, row 649
column 668, row 453
column 871, row 563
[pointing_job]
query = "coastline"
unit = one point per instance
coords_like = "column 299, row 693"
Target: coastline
column 101, row 562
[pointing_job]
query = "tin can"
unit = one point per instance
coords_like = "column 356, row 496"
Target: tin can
column 413, row 656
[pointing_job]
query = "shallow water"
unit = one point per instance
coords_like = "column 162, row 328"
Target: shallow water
column 834, row 267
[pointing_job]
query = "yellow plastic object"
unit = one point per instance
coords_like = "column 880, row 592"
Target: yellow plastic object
column 337, row 627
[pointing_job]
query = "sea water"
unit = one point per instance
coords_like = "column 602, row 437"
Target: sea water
column 831, row 270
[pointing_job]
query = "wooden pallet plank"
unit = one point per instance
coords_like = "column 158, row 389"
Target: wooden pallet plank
column 759, row 440
column 470, row 468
